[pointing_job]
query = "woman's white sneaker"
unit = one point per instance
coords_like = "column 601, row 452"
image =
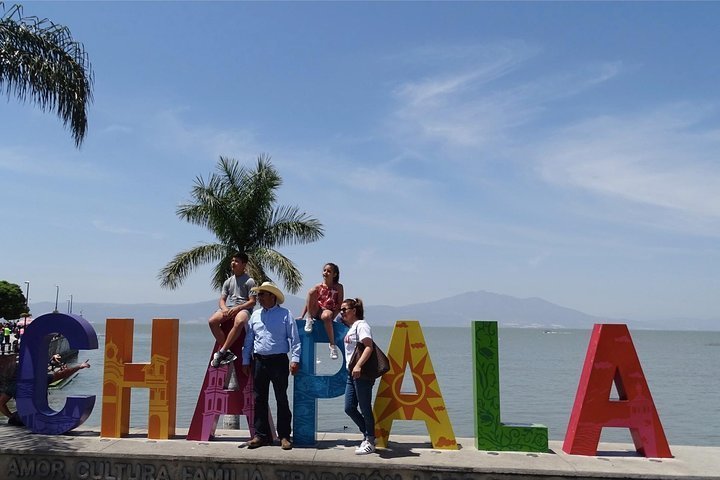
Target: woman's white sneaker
column 309, row 324
column 365, row 448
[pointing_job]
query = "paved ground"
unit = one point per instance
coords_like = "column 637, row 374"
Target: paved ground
column 411, row 456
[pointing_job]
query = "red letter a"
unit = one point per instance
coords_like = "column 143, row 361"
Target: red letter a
column 611, row 357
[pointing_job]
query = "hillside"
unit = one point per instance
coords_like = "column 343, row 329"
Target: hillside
column 457, row 310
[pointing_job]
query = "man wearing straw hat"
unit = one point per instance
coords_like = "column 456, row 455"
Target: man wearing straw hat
column 271, row 335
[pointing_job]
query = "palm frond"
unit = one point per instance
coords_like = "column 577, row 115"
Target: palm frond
column 40, row 60
column 256, row 270
column 175, row 272
column 288, row 226
column 280, row 265
column 261, row 186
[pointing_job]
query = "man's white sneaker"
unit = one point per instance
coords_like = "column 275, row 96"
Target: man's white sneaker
column 229, row 357
column 365, row 448
column 215, row 362
column 333, row 352
column 309, row 324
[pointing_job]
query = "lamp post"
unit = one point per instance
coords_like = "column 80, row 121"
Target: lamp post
column 70, row 303
column 27, row 302
column 57, row 295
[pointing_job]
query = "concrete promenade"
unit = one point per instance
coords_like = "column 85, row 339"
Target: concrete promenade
column 84, row 455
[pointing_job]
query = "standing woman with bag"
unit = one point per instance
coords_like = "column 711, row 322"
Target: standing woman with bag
column 358, row 390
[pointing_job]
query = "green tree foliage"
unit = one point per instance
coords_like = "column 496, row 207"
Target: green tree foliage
column 40, row 60
column 238, row 205
column 12, row 301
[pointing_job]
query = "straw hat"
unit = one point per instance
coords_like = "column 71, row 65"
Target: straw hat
column 271, row 288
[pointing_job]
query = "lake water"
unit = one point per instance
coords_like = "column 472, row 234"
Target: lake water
column 539, row 374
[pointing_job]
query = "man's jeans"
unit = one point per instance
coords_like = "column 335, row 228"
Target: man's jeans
column 273, row 370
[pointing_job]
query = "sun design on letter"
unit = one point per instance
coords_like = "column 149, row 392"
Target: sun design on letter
column 407, row 406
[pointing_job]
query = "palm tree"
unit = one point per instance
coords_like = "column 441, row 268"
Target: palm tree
column 41, row 61
column 238, row 206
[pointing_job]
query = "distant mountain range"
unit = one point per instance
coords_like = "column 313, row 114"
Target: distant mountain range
column 458, row 310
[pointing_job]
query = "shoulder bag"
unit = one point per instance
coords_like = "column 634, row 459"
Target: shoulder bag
column 375, row 367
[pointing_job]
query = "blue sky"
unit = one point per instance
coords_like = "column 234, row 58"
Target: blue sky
column 567, row 151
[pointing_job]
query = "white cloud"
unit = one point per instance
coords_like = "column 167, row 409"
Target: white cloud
column 360, row 187
column 466, row 107
column 102, row 226
column 169, row 131
column 180, row 131
column 375, row 259
column 382, row 180
column 117, row 128
column 497, row 59
column 427, row 225
column 655, row 168
column 42, row 162
column 538, row 260
column 663, row 158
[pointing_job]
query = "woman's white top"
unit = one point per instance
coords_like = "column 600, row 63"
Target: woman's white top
column 359, row 331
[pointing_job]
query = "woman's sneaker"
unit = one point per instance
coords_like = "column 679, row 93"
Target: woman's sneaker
column 333, row 352
column 365, row 448
column 309, row 324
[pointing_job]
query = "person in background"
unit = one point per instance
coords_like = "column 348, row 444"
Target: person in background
column 323, row 303
column 8, row 391
column 56, row 363
column 358, row 390
column 271, row 335
column 236, row 304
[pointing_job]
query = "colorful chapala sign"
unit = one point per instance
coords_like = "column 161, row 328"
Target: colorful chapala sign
column 611, row 359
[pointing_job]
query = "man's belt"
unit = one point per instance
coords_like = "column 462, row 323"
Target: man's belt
column 259, row 356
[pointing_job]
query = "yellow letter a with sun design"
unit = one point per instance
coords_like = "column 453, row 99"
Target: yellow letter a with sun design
column 407, row 347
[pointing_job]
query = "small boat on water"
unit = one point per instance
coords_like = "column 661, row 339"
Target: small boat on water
column 58, row 384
